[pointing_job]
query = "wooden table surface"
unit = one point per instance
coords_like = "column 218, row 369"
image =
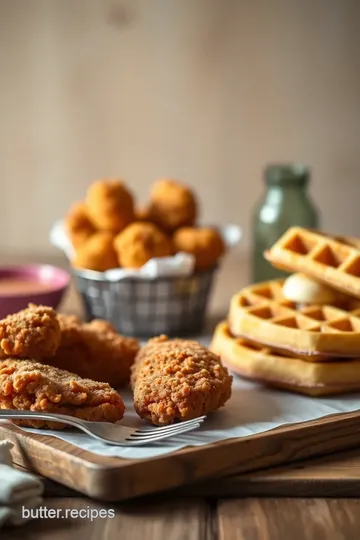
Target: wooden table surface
column 313, row 500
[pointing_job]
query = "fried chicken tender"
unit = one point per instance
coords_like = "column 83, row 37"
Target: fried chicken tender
column 110, row 204
column 78, row 224
column 32, row 332
column 178, row 380
column 97, row 253
column 172, row 205
column 204, row 243
column 94, row 350
column 31, row 386
column 139, row 243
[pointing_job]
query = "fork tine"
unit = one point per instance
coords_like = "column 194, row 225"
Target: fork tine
column 153, row 438
column 199, row 419
column 169, row 429
column 171, row 426
column 176, row 429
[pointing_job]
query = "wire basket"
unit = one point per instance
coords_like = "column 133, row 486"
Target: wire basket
column 173, row 306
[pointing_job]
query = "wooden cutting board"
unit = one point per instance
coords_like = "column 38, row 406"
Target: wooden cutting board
column 333, row 475
column 115, row 479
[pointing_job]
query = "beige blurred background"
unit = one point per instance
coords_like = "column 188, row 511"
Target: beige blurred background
column 206, row 91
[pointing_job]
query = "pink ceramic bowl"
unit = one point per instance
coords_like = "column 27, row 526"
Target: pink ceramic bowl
column 38, row 284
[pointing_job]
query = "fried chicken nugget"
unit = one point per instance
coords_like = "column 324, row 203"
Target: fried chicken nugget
column 78, row 224
column 204, row 243
column 27, row 385
column 110, row 204
column 31, row 332
column 97, row 253
column 94, row 350
column 178, row 380
column 139, row 243
column 142, row 213
column 172, row 205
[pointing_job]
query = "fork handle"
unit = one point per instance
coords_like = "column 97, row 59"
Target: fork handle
column 16, row 414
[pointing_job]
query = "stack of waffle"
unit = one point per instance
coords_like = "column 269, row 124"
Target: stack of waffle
column 302, row 333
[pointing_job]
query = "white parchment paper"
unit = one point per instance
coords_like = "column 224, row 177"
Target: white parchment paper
column 252, row 409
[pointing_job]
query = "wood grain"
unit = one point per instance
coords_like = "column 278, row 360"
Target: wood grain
column 247, row 519
column 335, row 475
column 115, row 479
column 207, row 91
column 295, row 519
column 171, row 520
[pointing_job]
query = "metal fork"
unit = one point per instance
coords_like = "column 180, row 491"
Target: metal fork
column 106, row 432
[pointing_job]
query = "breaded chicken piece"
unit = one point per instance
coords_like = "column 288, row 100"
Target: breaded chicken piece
column 142, row 214
column 139, row 243
column 78, row 224
column 178, row 380
column 96, row 253
column 32, row 332
column 110, row 204
column 31, row 386
column 102, row 326
column 204, row 243
column 172, row 205
column 94, row 350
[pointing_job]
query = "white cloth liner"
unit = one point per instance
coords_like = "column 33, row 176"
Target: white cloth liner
column 252, row 409
column 180, row 265
column 18, row 489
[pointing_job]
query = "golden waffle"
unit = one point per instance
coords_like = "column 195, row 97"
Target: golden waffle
column 261, row 314
column 267, row 366
column 333, row 261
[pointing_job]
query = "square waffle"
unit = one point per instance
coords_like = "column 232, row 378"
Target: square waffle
column 265, row 365
column 261, row 314
column 334, row 261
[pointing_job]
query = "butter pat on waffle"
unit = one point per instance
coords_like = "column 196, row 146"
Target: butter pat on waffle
column 301, row 289
column 262, row 314
column 329, row 260
column 263, row 364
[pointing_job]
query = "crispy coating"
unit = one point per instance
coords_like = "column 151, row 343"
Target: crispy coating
column 139, row 243
column 110, row 204
column 172, row 205
column 142, row 213
column 29, row 385
column 102, row 326
column 97, row 253
column 204, row 243
column 94, row 350
column 78, row 224
column 178, row 380
column 32, row 332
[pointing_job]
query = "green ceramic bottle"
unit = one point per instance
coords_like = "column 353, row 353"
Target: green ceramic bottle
column 286, row 203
